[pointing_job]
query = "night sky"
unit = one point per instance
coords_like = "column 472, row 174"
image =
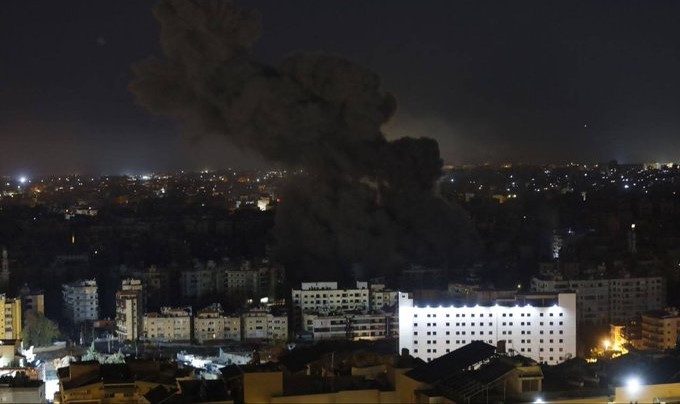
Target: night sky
column 530, row 82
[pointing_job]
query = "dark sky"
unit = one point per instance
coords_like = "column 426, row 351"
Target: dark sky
column 492, row 81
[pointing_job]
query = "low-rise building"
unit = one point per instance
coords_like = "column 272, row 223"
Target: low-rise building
column 351, row 326
column 264, row 324
column 212, row 324
column 326, row 297
column 171, row 324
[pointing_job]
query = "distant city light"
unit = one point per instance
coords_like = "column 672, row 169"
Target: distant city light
column 23, row 179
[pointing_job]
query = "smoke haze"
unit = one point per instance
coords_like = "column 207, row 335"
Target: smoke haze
column 362, row 201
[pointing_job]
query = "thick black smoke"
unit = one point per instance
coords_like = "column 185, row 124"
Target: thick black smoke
column 364, row 201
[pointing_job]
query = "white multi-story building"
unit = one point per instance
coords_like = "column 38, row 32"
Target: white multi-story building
column 171, row 324
column 262, row 324
column 212, row 324
column 81, row 301
column 606, row 301
column 539, row 326
column 351, row 326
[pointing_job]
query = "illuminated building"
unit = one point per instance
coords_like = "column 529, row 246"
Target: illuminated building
column 10, row 317
column 212, row 324
column 171, row 324
column 129, row 309
column 660, row 329
column 325, row 296
column 261, row 324
column 352, row 326
column 539, row 326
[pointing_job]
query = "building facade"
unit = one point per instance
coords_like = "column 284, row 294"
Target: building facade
column 80, row 301
column 606, row 301
column 212, row 324
column 171, row 324
column 11, row 318
column 659, row 329
column 262, row 324
column 351, row 326
column 539, row 326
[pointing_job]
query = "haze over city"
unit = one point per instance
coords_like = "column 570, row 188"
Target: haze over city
column 491, row 82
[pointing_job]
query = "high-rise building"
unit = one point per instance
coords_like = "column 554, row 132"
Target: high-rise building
column 129, row 309
column 539, row 326
column 80, row 301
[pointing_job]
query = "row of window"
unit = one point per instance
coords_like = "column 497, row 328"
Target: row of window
column 491, row 315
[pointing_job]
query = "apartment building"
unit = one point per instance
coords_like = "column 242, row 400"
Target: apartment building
column 80, row 301
column 129, row 309
column 540, row 326
column 260, row 324
column 607, row 301
column 351, row 326
column 11, row 318
column 659, row 329
column 171, row 324
column 212, row 323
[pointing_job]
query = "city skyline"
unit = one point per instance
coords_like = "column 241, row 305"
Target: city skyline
column 597, row 84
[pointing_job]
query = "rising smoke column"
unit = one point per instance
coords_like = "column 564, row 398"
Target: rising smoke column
column 363, row 202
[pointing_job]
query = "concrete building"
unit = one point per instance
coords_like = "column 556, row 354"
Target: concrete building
column 351, row 326
column 21, row 389
column 129, row 309
column 32, row 300
column 539, row 326
column 80, row 301
column 10, row 318
column 253, row 280
column 171, row 324
column 606, row 301
column 660, row 329
column 326, row 297
column 198, row 283
column 156, row 282
column 212, row 324
column 263, row 324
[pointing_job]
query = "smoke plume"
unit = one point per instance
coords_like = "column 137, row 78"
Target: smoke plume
column 363, row 201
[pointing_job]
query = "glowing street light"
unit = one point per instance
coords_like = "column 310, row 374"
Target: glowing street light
column 23, row 179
